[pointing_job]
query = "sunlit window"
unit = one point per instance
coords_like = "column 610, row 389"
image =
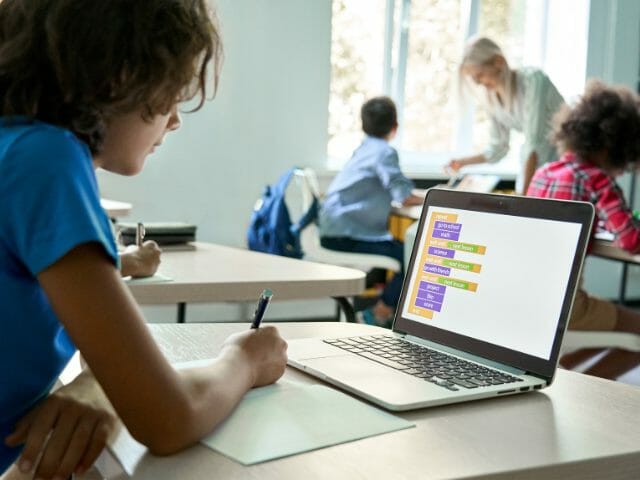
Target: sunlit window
column 410, row 50
column 357, row 47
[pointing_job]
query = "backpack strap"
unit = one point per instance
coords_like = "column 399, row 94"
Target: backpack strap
column 310, row 215
column 283, row 182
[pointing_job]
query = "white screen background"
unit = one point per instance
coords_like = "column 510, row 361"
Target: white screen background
column 521, row 286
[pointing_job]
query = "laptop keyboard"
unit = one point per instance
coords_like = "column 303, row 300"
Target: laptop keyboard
column 436, row 367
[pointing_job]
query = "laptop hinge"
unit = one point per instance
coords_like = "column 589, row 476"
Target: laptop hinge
column 465, row 355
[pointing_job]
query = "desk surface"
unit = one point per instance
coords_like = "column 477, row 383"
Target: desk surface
column 413, row 211
column 115, row 208
column 606, row 249
column 215, row 273
column 581, row 427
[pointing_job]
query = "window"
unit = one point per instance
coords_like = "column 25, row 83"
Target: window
column 410, row 50
column 356, row 70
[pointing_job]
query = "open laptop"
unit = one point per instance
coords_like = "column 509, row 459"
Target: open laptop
column 484, row 305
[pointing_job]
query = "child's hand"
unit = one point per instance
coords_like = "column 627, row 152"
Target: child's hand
column 265, row 350
column 140, row 261
column 65, row 432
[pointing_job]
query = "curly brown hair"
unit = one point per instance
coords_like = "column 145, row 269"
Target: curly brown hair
column 75, row 63
column 606, row 119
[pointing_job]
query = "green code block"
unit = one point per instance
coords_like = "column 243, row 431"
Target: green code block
column 450, row 282
column 459, row 265
column 464, row 247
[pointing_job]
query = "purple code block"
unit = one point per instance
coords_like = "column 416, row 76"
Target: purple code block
column 428, row 305
column 432, row 287
column 445, row 234
column 441, row 252
column 432, row 297
column 431, row 268
column 452, row 227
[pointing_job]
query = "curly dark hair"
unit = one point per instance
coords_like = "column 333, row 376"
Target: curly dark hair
column 606, row 119
column 75, row 63
column 378, row 116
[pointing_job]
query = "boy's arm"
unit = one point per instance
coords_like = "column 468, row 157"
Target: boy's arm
column 415, row 198
column 163, row 409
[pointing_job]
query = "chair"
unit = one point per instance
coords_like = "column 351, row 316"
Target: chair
column 307, row 183
column 299, row 199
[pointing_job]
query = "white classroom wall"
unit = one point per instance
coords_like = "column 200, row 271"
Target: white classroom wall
column 270, row 113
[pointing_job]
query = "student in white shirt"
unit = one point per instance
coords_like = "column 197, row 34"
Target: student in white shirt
column 523, row 99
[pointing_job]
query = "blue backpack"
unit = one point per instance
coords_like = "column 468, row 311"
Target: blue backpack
column 270, row 229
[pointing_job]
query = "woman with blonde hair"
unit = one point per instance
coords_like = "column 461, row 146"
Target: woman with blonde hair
column 523, row 99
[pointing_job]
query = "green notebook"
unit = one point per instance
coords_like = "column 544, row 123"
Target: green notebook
column 289, row 418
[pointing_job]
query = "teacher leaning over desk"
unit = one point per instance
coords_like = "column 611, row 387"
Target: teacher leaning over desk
column 522, row 99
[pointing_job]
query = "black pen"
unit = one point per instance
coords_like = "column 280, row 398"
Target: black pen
column 263, row 302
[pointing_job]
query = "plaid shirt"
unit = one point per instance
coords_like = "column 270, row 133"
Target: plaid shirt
column 573, row 179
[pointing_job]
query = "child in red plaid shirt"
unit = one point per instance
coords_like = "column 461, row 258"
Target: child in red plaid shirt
column 600, row 137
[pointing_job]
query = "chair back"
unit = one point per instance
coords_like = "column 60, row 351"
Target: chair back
column 303, row 190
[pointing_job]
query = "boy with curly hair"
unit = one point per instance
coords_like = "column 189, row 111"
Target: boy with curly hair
column 88, row 84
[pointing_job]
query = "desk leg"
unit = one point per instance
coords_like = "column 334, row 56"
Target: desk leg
column 347, row 308
column 623, row 284
column 182, row 312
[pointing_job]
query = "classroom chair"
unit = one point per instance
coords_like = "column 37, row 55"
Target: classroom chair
column 299, row 198
column 307, row 183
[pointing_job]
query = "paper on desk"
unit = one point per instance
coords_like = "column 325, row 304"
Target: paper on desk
column 288, row 418
column 605, row 235
column 157, row 278
column 276, row 421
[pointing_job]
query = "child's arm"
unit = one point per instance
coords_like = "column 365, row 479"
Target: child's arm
column 613, row 211
column 415, row 198
column 163, row 409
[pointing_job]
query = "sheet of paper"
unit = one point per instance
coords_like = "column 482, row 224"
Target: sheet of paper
column 288, row 418
column 157, row 278
column 274, row 422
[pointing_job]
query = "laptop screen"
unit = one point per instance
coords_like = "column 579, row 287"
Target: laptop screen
column 495, row 270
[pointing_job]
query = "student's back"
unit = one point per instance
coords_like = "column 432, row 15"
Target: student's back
column 355, row 212
column 358, row 201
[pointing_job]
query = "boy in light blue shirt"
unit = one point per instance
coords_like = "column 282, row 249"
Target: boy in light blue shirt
column 355, row 212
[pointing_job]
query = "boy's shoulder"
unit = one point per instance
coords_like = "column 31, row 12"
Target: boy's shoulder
column 30, row 134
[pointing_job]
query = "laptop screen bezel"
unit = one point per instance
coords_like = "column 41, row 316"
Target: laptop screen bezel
column 547, row 209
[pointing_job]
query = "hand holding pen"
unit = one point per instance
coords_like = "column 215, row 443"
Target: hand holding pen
column 263, row 303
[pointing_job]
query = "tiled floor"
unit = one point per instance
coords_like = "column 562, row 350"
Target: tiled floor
column 632, row 377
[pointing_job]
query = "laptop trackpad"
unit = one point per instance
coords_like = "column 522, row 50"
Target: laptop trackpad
column 357, row 374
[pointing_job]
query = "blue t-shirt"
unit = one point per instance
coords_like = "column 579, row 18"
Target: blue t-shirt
column 358, row 202
column 50, row 204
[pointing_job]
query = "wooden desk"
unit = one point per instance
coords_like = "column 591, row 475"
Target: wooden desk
column 116, row 209
column 580, row 428
column 215, row 273
column 606, row 249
